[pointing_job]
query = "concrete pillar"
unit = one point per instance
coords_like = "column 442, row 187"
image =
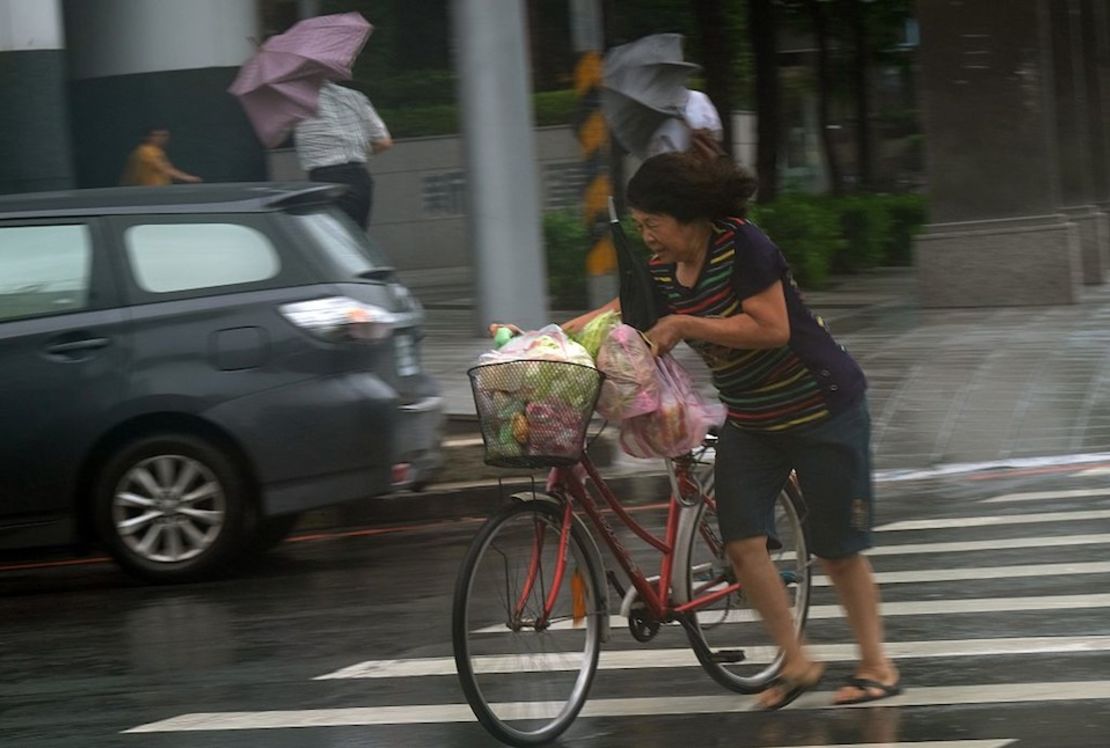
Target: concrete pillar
column 1095, row 29
column 35, row 152
column 998, row 237
column 1071, row 51
column 138, row 63
column 499, row 142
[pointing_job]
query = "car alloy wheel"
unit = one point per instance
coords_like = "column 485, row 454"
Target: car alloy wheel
column 168, row 508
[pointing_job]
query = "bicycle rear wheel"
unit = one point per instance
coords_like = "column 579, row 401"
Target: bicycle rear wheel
column 526, row 678
column 727, row 635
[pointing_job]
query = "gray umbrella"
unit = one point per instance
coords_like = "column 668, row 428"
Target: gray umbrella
column 643, row 84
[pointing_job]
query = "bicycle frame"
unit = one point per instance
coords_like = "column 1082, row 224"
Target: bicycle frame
column 656, row 599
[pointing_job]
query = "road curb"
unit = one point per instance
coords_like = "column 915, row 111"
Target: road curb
column 459, row 500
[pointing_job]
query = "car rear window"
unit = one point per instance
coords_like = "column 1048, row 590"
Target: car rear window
column 348, row 249
column 169, row 257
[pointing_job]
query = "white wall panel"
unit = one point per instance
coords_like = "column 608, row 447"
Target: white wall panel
column 122, row 37
column 30, row 24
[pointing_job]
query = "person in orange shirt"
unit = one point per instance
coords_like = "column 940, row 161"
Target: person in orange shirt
column 147, row 165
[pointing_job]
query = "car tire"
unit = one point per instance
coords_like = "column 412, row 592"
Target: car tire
column 172, row 507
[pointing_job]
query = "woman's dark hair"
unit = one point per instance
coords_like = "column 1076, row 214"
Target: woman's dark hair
column 688, row 186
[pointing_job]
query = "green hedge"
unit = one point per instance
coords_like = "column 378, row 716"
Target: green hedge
column 554, row 107
column 808, row 233
column 417, row 122
column 566, row 243
column 865, row 225
column 908, row 213
column 819, row 235
column 549, row 107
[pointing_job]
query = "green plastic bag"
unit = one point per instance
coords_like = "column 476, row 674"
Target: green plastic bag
column 596, row 331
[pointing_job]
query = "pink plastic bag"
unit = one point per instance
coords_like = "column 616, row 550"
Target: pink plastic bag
column 679, row 424
column 631, row 386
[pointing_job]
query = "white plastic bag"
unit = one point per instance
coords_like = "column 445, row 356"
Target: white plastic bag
column 548, row 343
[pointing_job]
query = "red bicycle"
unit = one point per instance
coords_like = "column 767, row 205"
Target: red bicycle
column 531, row 606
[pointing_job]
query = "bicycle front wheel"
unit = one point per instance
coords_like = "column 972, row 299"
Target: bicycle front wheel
column 727, row 635
column 527, row 643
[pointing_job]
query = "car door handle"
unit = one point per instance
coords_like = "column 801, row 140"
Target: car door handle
column 77, row 346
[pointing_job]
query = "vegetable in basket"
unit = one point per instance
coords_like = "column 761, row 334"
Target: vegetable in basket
column 530, row 406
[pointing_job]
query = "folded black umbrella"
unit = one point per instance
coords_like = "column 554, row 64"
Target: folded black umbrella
column 637, row 289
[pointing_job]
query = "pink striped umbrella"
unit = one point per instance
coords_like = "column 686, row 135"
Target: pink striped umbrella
column 280, row 85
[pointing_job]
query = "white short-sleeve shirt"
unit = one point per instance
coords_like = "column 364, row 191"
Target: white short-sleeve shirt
column 341, row 132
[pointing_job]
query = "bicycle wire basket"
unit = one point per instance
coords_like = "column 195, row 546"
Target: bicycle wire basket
column 534, row 414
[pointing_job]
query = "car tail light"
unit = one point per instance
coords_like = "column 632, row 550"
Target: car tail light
column 401, row 474
column 338, row 318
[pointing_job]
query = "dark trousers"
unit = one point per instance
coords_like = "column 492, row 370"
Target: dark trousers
column 360, row 188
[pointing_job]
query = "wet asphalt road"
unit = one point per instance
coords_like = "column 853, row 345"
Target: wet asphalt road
column 87, row 654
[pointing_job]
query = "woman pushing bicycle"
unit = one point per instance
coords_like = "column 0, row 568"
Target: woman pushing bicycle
column 796, row 402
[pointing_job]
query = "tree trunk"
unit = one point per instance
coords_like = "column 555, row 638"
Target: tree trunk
column 860, row 77
column 824, row 93
column 761, row 28
column 717, row 60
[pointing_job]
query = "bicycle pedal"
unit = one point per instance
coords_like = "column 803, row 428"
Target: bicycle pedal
column 728, row 656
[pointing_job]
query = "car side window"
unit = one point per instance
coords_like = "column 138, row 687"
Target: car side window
column 44, row 270
column 169, row 257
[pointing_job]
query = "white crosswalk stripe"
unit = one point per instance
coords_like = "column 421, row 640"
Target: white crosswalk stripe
column 1008, row 693
column 1062, row 577
column 914, row 608
column 999, row 544
column 1077, row 493
column 996, row 519
column 1095, row 471
column 633, row 659
column 920, row 744
column 983, row 572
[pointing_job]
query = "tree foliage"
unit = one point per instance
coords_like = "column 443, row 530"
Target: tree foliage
column 407, row 62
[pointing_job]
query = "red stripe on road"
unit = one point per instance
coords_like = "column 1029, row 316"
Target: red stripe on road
column 49, row 564
column 307, row 538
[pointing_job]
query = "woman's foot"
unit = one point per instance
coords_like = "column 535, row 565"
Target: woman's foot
column 790, row 685
column 869, row 684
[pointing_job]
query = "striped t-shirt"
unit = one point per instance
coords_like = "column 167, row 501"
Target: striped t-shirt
column 801, row 383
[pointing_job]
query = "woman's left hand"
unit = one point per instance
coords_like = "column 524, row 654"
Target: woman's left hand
column 666, row 333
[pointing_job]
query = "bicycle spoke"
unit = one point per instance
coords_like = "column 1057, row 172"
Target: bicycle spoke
column 526, row 669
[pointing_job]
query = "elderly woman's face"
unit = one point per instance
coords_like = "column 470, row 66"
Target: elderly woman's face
column 668, row 238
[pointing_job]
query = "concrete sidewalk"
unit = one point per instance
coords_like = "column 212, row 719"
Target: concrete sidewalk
column 947, row 388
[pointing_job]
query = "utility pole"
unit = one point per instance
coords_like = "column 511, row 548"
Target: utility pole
column 588, row 41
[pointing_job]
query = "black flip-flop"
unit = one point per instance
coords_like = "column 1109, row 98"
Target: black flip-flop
column 867, row 685
column 791, row 689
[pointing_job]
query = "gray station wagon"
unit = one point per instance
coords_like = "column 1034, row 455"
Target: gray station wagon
column 185, row 370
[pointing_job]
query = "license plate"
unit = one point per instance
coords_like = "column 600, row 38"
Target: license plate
column 405, row 355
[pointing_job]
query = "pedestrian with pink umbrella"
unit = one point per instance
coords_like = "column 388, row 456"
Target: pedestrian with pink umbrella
column 289, row 86
column 333, row 146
